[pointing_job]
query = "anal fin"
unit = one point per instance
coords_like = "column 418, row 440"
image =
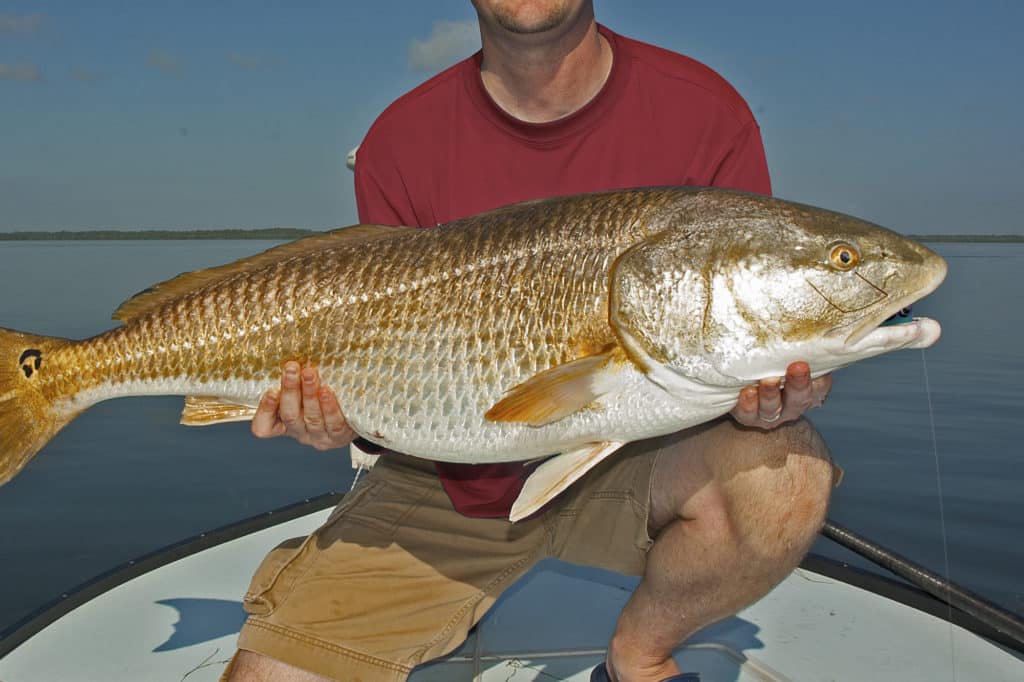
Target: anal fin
column 203, row 410
column 555, row 475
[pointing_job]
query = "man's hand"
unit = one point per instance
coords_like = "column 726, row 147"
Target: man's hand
column 767, row 405
column 304, row 410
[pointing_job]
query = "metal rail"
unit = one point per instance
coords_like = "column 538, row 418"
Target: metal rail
column 1006, row 622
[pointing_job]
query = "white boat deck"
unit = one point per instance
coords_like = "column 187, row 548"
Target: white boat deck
column 180, row 621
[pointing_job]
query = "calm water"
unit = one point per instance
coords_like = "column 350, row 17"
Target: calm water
column 125, row 478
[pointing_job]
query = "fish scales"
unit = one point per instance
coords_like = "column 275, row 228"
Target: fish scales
column 356, row 308
column 532, row 304
column 550, row 326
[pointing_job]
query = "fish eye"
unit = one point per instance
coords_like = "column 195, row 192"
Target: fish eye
column 844, row 256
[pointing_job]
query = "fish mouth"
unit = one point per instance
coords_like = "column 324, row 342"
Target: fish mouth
column 859, row 331
column 918, row 332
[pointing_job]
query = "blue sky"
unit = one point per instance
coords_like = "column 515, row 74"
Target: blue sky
column 133, row 115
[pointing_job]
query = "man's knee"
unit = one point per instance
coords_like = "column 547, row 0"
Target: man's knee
column 809, row 474
column 777, row 488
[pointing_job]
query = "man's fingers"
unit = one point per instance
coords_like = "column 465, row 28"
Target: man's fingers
column 820, row 388
column 265, row 423
column 302, row 409
column 769, row 407
column 798, row 396
column 768, row 404
column 311, row 415
column 334, row 420
column 745, row 411
column 290, row 404
column 325, row 426
column 798, row 377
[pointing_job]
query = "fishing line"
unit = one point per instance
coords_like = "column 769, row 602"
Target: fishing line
column 355, row 479
column 942, row 511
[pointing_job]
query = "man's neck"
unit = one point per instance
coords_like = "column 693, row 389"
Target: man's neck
column 543, row 78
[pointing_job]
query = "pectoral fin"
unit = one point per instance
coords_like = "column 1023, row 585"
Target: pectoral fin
column 203, row 410
column 557, row 392
column 557, row 474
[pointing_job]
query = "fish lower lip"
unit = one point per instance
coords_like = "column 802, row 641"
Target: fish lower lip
column 920, row 332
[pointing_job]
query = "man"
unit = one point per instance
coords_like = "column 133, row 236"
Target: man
column 712, row 518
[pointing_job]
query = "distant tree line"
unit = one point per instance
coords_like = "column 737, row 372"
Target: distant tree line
column 990, row 238
column 288, row 233
column 279, row 233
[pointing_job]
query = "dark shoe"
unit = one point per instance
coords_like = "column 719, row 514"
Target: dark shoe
column 600, row 674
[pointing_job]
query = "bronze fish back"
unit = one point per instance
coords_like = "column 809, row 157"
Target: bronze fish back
column 526, row 271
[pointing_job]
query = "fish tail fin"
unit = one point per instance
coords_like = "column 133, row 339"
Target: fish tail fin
column 29, row 413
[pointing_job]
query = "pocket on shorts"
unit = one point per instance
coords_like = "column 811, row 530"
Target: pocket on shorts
column 374, row 513
column 258, row 599
column 366, row 488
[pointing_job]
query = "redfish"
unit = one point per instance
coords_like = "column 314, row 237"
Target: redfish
column 567, row 325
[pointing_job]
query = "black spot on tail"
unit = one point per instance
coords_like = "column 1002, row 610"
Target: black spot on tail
column 30, row 361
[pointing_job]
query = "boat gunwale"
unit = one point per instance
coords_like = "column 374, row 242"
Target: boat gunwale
column 20, row 631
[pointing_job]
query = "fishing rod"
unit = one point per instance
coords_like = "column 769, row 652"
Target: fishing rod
column 994, row 616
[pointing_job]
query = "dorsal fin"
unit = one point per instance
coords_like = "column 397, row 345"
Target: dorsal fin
column 161, row 293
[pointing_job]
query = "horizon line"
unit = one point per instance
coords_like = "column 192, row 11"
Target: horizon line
column 280, row 233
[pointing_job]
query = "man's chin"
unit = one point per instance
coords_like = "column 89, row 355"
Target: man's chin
column 531, row 20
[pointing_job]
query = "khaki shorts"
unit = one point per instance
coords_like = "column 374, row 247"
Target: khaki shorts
column 397, row 577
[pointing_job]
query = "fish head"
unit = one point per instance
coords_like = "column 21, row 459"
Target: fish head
column 738, row 286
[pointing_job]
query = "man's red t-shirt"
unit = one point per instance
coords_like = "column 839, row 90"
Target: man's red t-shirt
column 446, row 151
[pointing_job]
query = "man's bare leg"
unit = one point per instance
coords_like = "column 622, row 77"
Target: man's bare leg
column 733, row 510
column 730, row 519
column 252, row 667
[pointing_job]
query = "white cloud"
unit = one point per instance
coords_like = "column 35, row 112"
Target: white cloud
column 21, row 23
column 165, row 62
column 246, row 61
column 22, row 73
column 449, row 41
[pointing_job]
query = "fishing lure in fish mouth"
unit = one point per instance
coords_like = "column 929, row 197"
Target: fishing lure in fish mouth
column 902, row 316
